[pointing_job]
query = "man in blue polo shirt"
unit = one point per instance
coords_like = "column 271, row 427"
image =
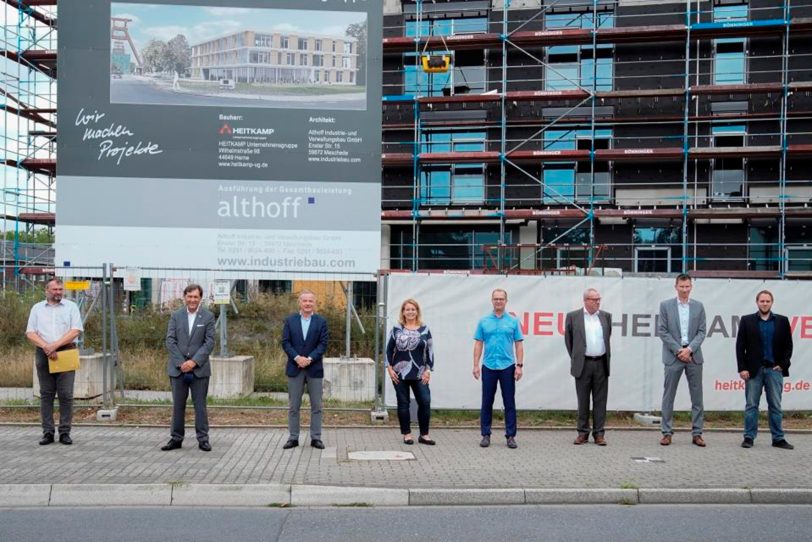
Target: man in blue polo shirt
column 499, row 335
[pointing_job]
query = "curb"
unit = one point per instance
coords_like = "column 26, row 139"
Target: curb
column 285, row 495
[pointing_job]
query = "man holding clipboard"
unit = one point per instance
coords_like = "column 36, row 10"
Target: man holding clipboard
column 53, row 326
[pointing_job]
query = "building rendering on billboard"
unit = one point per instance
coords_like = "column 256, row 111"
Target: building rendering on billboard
column 239, row 138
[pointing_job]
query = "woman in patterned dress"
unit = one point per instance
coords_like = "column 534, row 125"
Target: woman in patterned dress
column 410, row 358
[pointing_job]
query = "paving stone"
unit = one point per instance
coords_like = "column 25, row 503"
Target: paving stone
column 231, row 495
column 25, row 494
column 545, row 459
column 111, row 495
column 424, row 497
column 580, row 496
column 694, row 496
column 347, row 496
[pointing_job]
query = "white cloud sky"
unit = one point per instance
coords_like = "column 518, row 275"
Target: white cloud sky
column 225, row 11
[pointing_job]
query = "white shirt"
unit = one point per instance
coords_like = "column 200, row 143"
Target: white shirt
column 593, row 331
column 684, row 318
column 51, row 322
column 190, row 316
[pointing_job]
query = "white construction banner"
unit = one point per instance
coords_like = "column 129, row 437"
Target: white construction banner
column 453, row 304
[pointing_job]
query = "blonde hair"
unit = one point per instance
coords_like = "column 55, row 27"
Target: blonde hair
column 410, row 301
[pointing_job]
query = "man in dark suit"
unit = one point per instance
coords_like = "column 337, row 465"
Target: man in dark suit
column 190, row 340
column 763, row 352
column 681, row 327
column 586, row 334
column 304, row 340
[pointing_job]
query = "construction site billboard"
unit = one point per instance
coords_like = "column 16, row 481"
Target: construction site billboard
column 239, row 137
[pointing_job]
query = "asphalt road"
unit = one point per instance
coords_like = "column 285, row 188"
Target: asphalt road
column 131, row 90
column 645, row 523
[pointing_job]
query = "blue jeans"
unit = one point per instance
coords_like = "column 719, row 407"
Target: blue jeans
column 506, row 378
column 772, row 382
column 422, row 394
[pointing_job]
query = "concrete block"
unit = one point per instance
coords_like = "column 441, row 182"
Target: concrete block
column 230, row 495
column 694, row 496
column 379, row 416
column 580, row 496
column 345, row 496
column 349, row 379
column 232, row 376
column 424, row 497
column 89, row 381
column 25, row 494
column 107, row 415
column 781, row 496
column 111, row 495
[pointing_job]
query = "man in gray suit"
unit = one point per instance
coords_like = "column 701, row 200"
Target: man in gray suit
column 586, row 334
column 682, row 327
column 190, row 340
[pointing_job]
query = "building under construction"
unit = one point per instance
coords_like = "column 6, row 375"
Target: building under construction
column 635, row 135
column 560, row 136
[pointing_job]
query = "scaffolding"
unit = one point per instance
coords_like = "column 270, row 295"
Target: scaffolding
column 735, row 100
column 28, row 97
column 589, row 89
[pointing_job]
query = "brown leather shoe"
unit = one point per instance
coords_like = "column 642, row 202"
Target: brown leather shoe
column 599, row 440
column 666, row 440
column 581, row 439
column 699, row 441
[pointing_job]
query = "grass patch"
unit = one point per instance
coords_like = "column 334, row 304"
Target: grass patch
column 255, row 331
column 625, row 484
column 17, row 368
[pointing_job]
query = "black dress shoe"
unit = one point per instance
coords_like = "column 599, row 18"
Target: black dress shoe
column 783, row 444
column 426, row 440
column 204, row 445
column 291, row 443
column 64, row 438
column 172, row 445
column 317, row 443
column 47, row 438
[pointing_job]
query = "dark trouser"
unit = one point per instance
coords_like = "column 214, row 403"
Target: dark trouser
column 506, row 378
column 422, row 395
column 180, row 392
column 593, row 383
column 50, row 385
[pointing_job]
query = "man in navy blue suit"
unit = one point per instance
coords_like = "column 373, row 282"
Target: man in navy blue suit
column 304, row 339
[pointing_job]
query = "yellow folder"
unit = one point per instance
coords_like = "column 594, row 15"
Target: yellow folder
column 66, row 360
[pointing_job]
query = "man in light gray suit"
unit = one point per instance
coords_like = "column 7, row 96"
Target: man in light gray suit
column 190, row 340
column 586, row 335
column 682, row 327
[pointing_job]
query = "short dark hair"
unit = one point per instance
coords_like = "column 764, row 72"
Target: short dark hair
column 193, row 287
column 765, row 292
column 683, row 277
column 57, row 280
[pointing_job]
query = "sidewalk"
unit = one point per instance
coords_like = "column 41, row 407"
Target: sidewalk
column 110, row 465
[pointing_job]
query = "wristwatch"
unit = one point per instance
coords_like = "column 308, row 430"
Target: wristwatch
column 520, row 365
